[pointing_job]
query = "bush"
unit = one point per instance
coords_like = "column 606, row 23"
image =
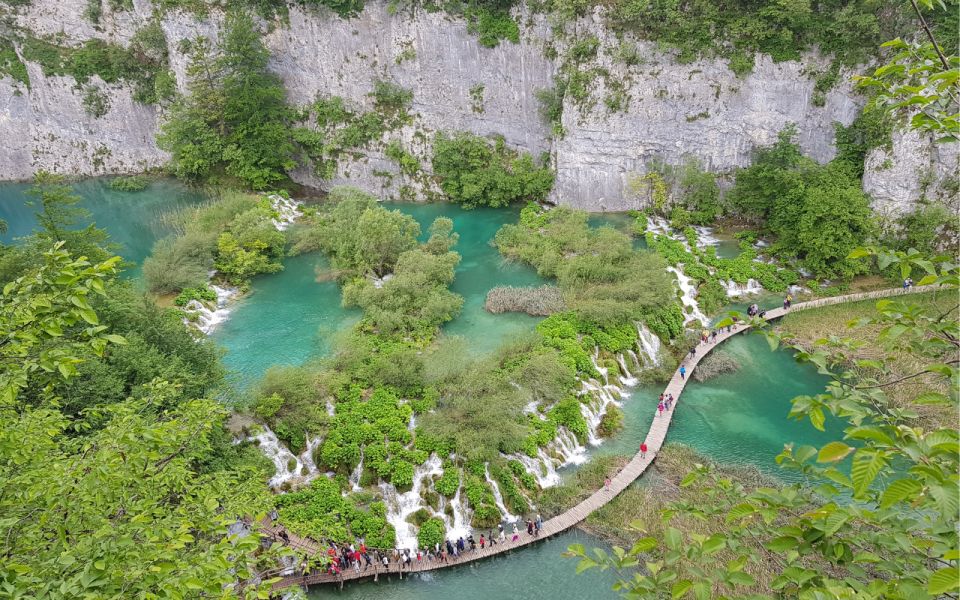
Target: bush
column 716, row 363
column 431, row 533
column 537, row 301
column 201, row 293
column 492, row 25
column 612, row 421
column 178, row 263
column 133, row 183
column 474, row 171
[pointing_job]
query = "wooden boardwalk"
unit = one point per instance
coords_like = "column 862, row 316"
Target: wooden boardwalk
column 654, row 440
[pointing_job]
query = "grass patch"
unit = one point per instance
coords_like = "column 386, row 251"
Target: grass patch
column 539, row 301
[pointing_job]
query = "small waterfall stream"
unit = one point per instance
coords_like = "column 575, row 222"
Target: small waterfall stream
column 357, row 474
column 304, row 469
column 689, row 297
column 498, row 497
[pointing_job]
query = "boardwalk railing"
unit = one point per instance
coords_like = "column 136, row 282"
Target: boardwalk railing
column 637, row 465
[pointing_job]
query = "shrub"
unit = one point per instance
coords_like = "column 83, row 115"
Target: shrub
column 612, row 421
column 432, row 532
column 201, row 293
column 133, row 183
column 716, row 363
column 474, row 171
column 177, row 264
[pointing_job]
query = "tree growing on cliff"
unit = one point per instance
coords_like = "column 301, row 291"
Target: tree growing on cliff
column 234, row 121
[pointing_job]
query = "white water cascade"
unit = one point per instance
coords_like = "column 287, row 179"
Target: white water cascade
column 689, row 296
column 287, row 209
column 625, row 377
column 705, row 236
column 304, row 469
column 735, row 289
column 400, row 506
column 207, row 318
column 598, row 398
column 541, row 467
column 649, row 345
column 498, row 497
column 357, row 474
column 459, row 525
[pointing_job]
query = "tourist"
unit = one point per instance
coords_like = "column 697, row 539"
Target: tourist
column 450, row 551
column 683, row 372
column 483, row 542
column 660, row 409
column 516, row 532
column 503, row 536
column 492, row 540
column 472, row 542
column 529, row 527
column 606, row 484
column 693, row 352
column 539, row 522
column 713, row 336
column 643, row 449
column 419, row 555
column 461, row 545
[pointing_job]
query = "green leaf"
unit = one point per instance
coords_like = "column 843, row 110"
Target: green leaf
column 585, row 564
column 680, row 588
column 833, row 452
column 898, row 491
column 673, row 538
column 783, row 543
column 867, row 464
column 741, row 578
column 944, row 581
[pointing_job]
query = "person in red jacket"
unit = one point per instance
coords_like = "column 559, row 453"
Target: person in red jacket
column 643, row 449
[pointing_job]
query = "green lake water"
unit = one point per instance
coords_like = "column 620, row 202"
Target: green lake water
column 289, row 317
column 132, row 218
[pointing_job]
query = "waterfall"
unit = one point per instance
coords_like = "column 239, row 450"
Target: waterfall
column 330, row 408
column 541, row 468
column 356, row 474
column 601, row 370
column 735, row 289
column 626, row 378
column 401, row 506
column 206, row 319
column 566, row 446
column 498, row 497
column 649, row 346
column 413, row 423
column 705, row 236
column 689, row 296
column 304, row 468
column 599, row 397
column 287, row 209
column 459, row 525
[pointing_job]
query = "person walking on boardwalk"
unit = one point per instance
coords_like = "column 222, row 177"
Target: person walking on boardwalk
column 539, row 522
column 516, row 532
column 660, row 409
column 450, row 549
column 502, row 535
column 606, row 484
column 643, row 449
column 492, row 540
column 529, row 527
column 683, row 372
column 483, row 542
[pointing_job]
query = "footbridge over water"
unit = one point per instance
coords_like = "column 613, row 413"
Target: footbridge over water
column 654, row 440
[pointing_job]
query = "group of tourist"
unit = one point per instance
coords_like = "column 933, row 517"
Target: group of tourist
column 360, row 558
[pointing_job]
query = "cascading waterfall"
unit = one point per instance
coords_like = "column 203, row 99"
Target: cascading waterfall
column 400, row 506
column 625, row 378
column 207, row 318
column 689, row 296
column 304, row 468
column 498, row 497
column 287, row 209
column 735, row 289
column 459, row 524
column 357, row 474
column 541, row 467
column 705, row 236
column 649, row 346
column 598, row 398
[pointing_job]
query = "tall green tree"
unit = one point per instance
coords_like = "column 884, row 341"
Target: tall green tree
column 235, row 119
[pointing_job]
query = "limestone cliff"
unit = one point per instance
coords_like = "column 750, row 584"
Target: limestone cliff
column 669, row 111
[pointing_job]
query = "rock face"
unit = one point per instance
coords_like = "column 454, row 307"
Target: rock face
column 670, row 112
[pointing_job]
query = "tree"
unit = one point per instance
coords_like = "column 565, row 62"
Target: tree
column 920, row 81
column 235, row 118
column 123, row 510
column 876, row 514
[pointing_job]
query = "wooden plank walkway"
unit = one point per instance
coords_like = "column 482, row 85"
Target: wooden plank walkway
column 654, row 440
